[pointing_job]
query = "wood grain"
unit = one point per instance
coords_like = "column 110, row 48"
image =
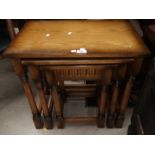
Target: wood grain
column 56, row 38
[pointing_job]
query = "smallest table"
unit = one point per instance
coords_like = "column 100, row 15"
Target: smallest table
column 107, row 51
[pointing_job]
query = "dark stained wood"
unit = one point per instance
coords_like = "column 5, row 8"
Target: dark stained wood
column 27, row 88
column 124, row 102
column 50, row 104
column 103, row 97
column 35, row 75
column 56, row 99
column 80, row 94
column 112, row 109
column 133, row 70
column 45, row 46
column 136, row 66
column 77, row 62
column 119, row 74
column 81, row 90
column 76, row 72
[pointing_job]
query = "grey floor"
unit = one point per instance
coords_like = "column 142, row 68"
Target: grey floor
column 16, row 118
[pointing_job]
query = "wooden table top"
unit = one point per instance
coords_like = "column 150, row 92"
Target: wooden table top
column 64, row 38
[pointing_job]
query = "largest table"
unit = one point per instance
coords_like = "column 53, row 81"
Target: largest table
column 75, row 45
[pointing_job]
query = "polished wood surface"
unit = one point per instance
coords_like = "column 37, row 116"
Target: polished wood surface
column 36, row 77
column 54, row 62
column 19, row 70
column 56, row 38
column 113, row 55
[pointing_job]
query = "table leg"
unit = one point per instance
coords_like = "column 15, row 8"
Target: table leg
column 35, row 112
column 103, row 98
column 35, row 74
column 101, row 110
column 119, row 73
column 56, row 99
column 124, row 103
column 112, row 110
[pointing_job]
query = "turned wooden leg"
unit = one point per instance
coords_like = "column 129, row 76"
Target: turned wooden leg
column 101, row 110
column 56, row 99
column 45, row 85
column 112, row 109
column 119, row 73
column 103, row 98
column 35, row 112
column 124, row 103
column 35, row 74
column 58, row 108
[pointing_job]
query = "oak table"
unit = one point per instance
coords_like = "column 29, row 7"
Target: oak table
column 109, row 52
